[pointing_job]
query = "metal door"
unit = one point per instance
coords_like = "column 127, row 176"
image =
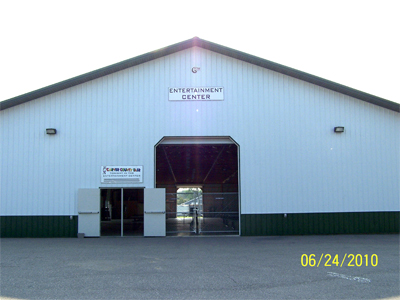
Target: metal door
column 89, row 212
column 154, row 212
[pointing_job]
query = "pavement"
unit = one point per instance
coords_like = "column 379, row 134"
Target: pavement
column 223, row 267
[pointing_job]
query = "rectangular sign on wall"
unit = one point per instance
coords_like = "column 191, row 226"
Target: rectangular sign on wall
column 196, row 94
column 121, row 174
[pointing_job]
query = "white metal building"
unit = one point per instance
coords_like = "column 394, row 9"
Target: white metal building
column 256, row 137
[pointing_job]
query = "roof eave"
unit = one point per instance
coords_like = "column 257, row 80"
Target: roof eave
column 300, row 75
column 95, row 74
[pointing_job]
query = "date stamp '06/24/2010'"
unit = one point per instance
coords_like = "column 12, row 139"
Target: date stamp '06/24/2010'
column 349, row 260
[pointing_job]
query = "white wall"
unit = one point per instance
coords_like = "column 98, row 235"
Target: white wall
column 291, row 161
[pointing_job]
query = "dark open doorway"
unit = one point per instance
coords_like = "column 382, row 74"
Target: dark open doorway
column 121, row 212
column 209, row 164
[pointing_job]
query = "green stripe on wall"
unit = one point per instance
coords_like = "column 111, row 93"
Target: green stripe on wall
column 39, row 226
column 320, row 223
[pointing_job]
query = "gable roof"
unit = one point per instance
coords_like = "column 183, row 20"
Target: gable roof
column 197, row 42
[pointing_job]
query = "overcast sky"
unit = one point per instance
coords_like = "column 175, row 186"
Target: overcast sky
column 355, row 43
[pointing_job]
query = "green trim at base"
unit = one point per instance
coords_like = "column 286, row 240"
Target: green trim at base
column 320, row 223
column 39, row 226
column 251, row 224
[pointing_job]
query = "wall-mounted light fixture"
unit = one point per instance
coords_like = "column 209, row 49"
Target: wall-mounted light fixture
column 338, row 129
column 51, row 131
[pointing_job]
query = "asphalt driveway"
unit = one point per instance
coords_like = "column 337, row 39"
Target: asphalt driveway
column 289, row 267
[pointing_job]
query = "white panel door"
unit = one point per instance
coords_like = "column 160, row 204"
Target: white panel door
column 89, row 212
column 154, row 212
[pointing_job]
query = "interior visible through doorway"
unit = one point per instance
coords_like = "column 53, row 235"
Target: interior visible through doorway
column 208, row 170
column 121, row 212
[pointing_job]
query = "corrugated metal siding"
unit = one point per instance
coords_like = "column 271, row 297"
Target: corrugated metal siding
column 291, row 161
